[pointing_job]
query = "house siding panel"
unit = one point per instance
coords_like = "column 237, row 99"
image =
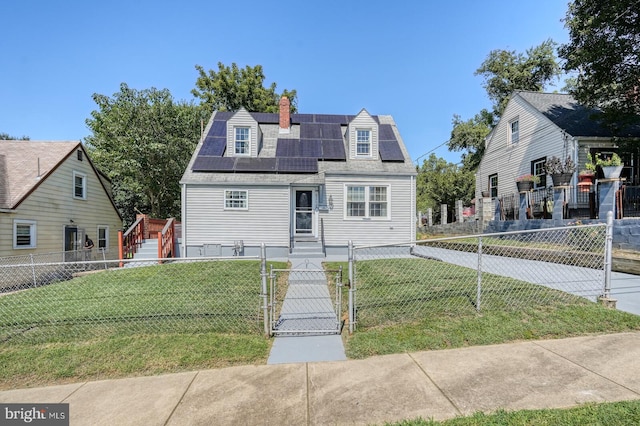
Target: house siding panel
column 209, row 223
column 243, row 119
column 363, row 121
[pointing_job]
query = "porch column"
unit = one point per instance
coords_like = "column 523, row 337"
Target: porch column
column 523, row 206
column 558, row 202
column 607, row 196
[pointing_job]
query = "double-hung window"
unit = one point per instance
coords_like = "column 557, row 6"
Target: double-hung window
column 79, row 186
column 242, row 141
column 24, row 234
column 514, row 131
column 363, row 143
column 493, row 185
column 367, row 201
column 103, row 237
column 236, row 199
column 537, row 169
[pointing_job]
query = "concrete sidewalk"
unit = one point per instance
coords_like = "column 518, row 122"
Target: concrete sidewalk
column 434, row 384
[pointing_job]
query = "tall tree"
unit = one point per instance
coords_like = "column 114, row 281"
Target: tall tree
column 8, row 137
column 440, row 182
column 604, row 52
column 469, row 136
column 143, row 140
column 232, row 87
column 505, row 71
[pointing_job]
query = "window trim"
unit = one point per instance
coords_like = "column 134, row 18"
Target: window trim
column 106, row 237
column 227, row 200
column 368, row 144
column 33, row 232
column 493, row 189
column 515, row 121
column 84, row 185
column 236, row 140
column 542, row 176
column 367, row 202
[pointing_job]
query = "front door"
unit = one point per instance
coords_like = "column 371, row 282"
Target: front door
column 304, row 215
column 70, row 243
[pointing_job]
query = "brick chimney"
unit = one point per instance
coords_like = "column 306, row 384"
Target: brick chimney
column 285, row 117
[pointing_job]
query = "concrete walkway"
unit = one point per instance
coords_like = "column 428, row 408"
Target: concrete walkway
column 433, row 385
column 307, row 308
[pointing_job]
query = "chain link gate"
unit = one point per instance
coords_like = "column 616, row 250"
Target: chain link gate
column 305, row 301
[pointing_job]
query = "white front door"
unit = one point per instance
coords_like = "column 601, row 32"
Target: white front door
column 304, row 216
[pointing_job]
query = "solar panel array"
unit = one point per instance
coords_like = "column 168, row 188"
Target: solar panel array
column 254, row 165
column 388, row 145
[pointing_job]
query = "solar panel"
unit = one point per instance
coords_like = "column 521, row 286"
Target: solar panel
column 213, row 146
column 218, row 129
column 390, row 151
column 266, row 117
column 297, row 165
column 301, row 118
column 331, row 131
column 265, row 165
column 386, row 133
column 310, row 148
column 336, row 119
column 288, row 148
column 333, row 150
column 310, row 131
column 213, row 164
column 223, row 115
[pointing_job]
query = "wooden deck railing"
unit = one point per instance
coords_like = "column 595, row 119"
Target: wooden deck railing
column 166, row 239
column 130, row 241
column 142, row 229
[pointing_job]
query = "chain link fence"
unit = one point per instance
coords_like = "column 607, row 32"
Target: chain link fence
column 58, row 301
column 462, row 275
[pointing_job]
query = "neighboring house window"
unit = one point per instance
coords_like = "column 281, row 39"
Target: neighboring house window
column 103, row 237
column 537, row 169
column 24, row 234
column 493, row 185
column 236, row 199
column 79, row 185
column 367, row 201
column 242, row 141
column 363, row 143
column 514, row 131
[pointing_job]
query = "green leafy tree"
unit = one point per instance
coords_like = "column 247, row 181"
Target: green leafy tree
column 469, row 137
column 232, row 87
column 143, row 140
column 505, row 71
column 440, row 182
column 604, row 53
column 8, row 137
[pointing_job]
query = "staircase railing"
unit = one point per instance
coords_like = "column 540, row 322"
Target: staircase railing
column 130, row 241
column 166, row 239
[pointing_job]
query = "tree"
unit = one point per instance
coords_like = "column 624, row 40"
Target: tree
column 143, row 140
column 604, row 51
column 440, row 182
column 8, row 137
column 232, row 87
column 506, row 71
column 469, row 136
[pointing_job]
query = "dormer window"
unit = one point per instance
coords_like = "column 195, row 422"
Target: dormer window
column 242, row 141
column 363, row 142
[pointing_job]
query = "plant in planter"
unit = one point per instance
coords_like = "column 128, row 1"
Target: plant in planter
column 611, row 166
column 561, row 172
column 525, row 182
column 587, row 175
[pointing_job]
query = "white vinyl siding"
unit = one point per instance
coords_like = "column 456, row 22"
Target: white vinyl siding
column 24, row 234
column 208, row 222
column 363, row 126
column 53, row 205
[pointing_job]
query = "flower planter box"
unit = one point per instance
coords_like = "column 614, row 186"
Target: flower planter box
column 524, row 186
column 611, row 172
column 561, row 179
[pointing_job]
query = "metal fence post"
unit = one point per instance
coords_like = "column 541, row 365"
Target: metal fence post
column 479, row 285
column 352, row 285
column 263, row 276
column 33, row 270
column 608, row 248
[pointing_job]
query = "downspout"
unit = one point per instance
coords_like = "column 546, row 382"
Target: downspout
column 183, row 213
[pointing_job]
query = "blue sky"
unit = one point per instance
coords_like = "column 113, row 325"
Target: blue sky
column 414, row 60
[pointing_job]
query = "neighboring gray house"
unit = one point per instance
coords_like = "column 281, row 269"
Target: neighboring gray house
column 535, row 126
column 289, row 180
